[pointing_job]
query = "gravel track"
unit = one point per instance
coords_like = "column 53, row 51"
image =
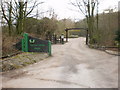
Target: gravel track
column 72, row 65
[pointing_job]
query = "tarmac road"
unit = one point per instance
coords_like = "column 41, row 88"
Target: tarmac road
column 73, row 65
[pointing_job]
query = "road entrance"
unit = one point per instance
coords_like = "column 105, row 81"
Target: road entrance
column 67, row 29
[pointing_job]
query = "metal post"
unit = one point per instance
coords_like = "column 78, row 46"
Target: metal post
column 66, row 35
column 25, row 43
column 87, row 37
column 49, row 48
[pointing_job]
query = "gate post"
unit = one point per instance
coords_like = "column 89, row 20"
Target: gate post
column 87, row 37
column 66, row 35
column 25, row 42
column 49, row 48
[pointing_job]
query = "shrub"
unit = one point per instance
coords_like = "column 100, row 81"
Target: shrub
column 118, row 37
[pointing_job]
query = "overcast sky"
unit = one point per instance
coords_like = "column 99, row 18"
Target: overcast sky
column 62, row 8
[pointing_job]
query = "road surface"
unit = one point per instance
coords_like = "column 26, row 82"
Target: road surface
column 73, row 65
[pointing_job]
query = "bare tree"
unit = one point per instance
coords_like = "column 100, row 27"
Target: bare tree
column 22, row 13
column 87, row 8
column 17, row 11
column 7, row 7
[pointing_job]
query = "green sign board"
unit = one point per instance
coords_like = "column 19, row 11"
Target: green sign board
column 37, row 45
column 31, row 44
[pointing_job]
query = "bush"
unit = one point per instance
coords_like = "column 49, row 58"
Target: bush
column 8, row 43
column 118, row 37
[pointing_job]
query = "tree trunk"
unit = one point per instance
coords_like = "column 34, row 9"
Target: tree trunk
column 20, row 20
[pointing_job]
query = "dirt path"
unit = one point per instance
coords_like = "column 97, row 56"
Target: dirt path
column 72, row 65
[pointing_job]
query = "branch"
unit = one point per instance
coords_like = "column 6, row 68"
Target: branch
column 25, row 8
column 33, row 8
column 88, row 7
column 85, row 6
column 79, row 6
column 16, row 8
column 93, row 7
column 39, row 13
column 3, row 12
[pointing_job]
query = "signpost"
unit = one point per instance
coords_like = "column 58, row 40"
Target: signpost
column 31, row 44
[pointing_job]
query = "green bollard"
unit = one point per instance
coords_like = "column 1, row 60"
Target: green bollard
column 25, row 42
column 49, row 48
